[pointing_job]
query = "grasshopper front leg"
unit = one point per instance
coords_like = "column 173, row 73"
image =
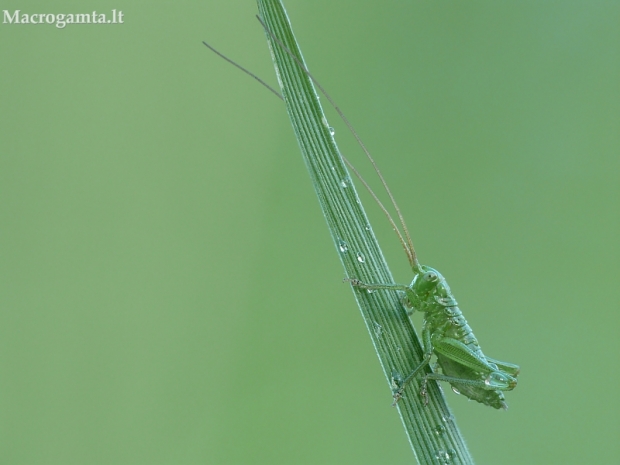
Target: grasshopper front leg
column 426, row 333
column 406, row 301
column 375, row 286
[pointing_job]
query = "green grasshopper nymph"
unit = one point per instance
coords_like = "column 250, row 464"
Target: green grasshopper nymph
column 445, row 332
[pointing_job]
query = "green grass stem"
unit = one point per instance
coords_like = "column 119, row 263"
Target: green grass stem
column 431, row 428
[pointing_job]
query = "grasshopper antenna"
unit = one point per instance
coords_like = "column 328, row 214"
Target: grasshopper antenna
column 244, row 70
column 349, row 164
column 409, row 249
column 406, row 244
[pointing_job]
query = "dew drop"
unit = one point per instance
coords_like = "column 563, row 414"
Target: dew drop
column 397, row 379
column 456, row 391
column 342, row 245
column 450, row 455
column 370, row 291
column 439, row 430
column 332, row 131
column 378, row 329
column 447, row 419
column 360, row 258
column 444, row 456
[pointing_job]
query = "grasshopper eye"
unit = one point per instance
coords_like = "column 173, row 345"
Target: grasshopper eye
column 430, row 276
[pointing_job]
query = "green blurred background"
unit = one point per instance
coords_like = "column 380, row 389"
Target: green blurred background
column 169, row 291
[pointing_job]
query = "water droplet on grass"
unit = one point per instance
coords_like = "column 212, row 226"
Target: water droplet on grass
column 378, row 329
column 439, row 430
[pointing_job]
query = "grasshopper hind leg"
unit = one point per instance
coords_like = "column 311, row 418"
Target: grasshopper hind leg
column 468, row 383
column 472, row 390
column 506, row 367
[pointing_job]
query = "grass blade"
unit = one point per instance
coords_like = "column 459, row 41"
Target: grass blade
column 431, row 428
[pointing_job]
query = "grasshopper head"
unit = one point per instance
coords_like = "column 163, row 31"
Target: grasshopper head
column 425, row 283
column 431, row 283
